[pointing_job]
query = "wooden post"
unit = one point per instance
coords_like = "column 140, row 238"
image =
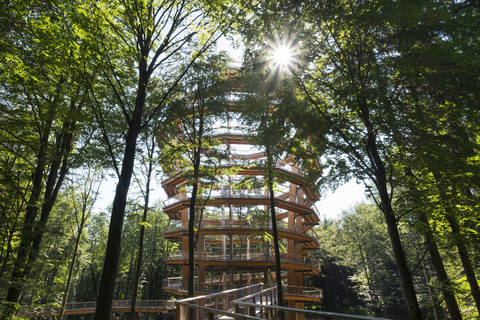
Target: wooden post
column 300, row 316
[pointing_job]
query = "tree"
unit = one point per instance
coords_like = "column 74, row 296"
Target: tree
column 82, row 207
column 358, row 241
column 439, row 126
column 45, row 68
column 351, row 87
column 272, row 109
column 148, row 161
column 340, row 290
column 146, row 39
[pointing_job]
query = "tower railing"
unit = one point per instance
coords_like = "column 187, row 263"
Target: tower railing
column 256, row 255
column 257, row 302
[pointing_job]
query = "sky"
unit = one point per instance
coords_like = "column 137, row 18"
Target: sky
column 332, row 204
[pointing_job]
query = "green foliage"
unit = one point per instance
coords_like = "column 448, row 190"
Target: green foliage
column 356, row 247
column 197, row 105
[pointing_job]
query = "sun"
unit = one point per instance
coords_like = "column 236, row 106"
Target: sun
column 283, row 55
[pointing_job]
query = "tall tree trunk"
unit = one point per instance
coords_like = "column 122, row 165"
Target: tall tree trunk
column 441, row 275
column 464, row 258
column 138, row 269
column 386, row 207
column 112, row 254
column 17, row 279
column 430, row 292
column 458, row 241
column 33, row 230
column 191, row 223
column 273, row 217
column 70, row 269
column 379, row 178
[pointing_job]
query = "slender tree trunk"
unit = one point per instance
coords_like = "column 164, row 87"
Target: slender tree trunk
column 464, row 258
column 191, row 224
column 94, row 282
column 273, row 217
column 138, row 270
column 32, row 231
column 391, row 221
column 17, row 279
column 370, row 281
column 70, row 270
column 441, row 275
column 430, row 293
column 112, row 254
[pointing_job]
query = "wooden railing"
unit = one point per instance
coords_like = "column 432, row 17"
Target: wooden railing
column 180, row 285
column 242, row 255
column 303, row 292
column 253, row 303
column 214, row 305
column 153, row 306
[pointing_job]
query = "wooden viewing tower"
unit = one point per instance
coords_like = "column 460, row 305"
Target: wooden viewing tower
column 234, row 243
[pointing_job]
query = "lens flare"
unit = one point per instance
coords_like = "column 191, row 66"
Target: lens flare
column 283, row 54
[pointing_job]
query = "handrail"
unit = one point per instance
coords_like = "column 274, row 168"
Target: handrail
column 230, row 130
column 220, row 303
column 250, row 304
column 257, row 305
column 181, row 285
column 322, row 314
column 301, row 291
column 261, row 256
column 240, row 225
column 90, row 306
column 247, row 194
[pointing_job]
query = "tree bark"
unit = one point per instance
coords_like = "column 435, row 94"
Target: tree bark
column 112, row 254
column 441, row 275
column 386, row 207
column 191, row 224
column 138, row 269
column 464, row 258
column 273, row 217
